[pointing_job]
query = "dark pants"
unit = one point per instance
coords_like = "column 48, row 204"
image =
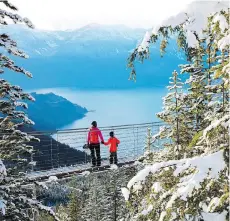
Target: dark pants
column 96, row 160
column 113, row 158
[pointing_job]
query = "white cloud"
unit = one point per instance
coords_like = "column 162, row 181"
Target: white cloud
column 70, row 14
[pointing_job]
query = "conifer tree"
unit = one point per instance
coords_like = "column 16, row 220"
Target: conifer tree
column 173, row 115
column 73, row 207
column 195, row 187
column 197, row 96
column 14, row 199
column 148, row 142
column 13, row 141
column 219, row 88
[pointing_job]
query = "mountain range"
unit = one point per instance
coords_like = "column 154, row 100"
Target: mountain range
column 92, row 57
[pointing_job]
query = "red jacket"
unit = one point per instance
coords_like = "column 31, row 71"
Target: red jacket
column 94, row 135
column 113, row 142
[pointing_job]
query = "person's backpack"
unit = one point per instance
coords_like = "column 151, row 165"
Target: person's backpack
column 94, row 136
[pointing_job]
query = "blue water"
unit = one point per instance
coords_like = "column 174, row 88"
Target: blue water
column 113, row 107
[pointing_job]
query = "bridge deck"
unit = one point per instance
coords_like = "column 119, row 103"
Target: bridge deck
column 66, row 174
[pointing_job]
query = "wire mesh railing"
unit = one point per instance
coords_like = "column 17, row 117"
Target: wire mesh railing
column 63, row 149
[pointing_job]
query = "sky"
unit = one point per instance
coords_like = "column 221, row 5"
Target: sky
column 72, row 14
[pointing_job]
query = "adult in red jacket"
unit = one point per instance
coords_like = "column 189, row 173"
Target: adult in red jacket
column 94, row 138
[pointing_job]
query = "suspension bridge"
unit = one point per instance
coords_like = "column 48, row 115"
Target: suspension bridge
column 60, row 153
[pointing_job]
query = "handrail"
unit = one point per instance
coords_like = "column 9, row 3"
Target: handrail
column 125, row 126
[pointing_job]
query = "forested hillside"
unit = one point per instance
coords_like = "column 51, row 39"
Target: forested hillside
column 51, row 112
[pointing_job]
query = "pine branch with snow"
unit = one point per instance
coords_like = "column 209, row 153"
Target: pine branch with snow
column 185, row 26
column 180, row 188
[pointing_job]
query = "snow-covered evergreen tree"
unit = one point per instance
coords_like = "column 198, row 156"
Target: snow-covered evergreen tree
column 148, row 142
column 195, row 187
column 219, row 88
column 13, row 141
column 197, row 96
column 15, row 200
column 173, row 116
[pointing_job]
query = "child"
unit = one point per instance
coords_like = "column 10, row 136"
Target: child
column 113, row 142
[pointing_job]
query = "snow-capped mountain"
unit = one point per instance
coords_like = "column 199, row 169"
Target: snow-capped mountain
column 94, row 56
column 93, row 38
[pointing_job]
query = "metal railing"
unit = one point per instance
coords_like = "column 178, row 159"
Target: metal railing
column 63, row 149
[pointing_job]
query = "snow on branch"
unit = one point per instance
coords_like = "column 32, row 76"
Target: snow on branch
column 10, row 5
column 189, row 24
column 14, row 17
column 2, row 170
column 143, row 47
column 2, row 175
column 125, row 193
column 156, row 136
column 224, row 122
column 193, row 20
column 37, row 204
column 206, row 167
column 222, row 21
column 3, row 207
column 224, row 42
column 226, row 69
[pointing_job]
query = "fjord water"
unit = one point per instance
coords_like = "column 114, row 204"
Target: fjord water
column 113, row 107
